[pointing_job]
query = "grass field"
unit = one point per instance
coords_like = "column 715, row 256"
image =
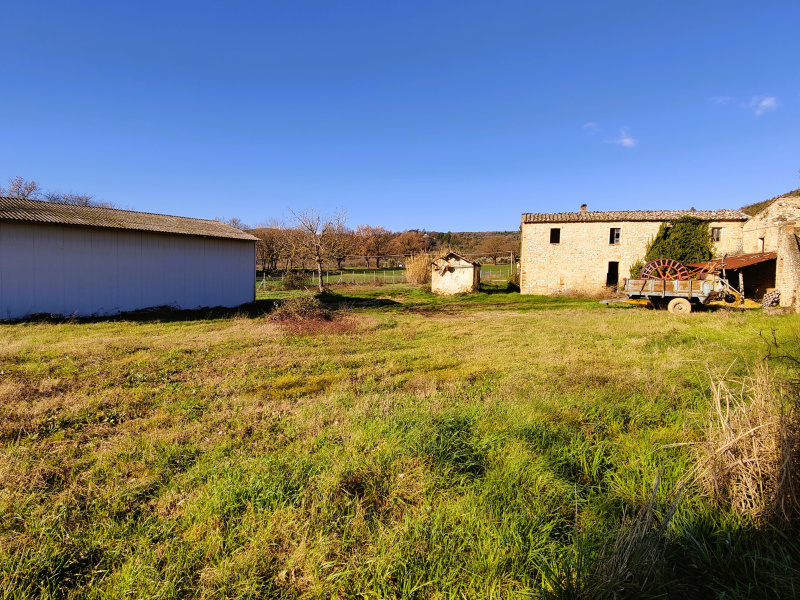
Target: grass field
column 492, row 445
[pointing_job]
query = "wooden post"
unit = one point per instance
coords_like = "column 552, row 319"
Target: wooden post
column 741, row 286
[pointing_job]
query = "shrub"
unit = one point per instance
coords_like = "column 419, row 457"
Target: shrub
column 295, row 281
column 301, row 308
column 307, row 315
column 636, row 268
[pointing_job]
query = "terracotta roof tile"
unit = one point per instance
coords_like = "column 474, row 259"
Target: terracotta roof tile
column 633, row 215
column 40, row 211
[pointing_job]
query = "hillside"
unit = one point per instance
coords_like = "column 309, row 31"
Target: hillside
column 756, row 207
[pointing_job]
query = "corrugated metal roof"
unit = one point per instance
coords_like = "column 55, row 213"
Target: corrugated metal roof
column 40, row 211
column 742, row 260
column 633, row 215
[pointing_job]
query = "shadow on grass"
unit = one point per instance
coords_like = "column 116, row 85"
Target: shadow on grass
column 332, row 300
column 165, row 314
column 509, row 288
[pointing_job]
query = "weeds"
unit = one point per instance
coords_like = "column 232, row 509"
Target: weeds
column 418, row 269
column 306, row 315
column 750, row 461
column 301, row 308
column 628, row 566
column 293, row 280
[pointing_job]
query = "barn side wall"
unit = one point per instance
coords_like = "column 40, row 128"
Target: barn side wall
column 579, row 262
column 84, row 271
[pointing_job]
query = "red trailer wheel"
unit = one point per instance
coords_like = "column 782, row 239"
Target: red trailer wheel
column 664, row 268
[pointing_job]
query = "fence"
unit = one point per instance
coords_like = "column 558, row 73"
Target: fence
column 391, row 276
column 488, row 273
column 337, row 277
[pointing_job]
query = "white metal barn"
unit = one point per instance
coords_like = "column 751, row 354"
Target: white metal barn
column 83, row 260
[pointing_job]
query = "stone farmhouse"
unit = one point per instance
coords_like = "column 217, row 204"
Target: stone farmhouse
column 586, row 252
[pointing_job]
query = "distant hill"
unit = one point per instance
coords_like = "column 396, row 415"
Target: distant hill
column 756, row 207
column 471, row 242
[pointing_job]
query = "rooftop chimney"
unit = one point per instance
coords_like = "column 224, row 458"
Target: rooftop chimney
column 583, row 208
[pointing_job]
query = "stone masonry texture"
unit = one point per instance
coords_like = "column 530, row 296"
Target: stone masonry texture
column 579, row 262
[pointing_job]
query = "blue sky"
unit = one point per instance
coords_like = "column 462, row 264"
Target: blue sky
column 448, row 116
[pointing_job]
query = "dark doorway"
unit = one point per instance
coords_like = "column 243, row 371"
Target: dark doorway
column 612, row 277
column 758, row 278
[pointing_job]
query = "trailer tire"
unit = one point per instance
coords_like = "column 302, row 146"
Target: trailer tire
column 679, row 306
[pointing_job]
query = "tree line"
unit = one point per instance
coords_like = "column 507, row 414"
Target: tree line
column 312, row 237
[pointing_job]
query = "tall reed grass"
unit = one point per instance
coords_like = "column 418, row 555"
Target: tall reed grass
column 751, row 459
column 418, row 267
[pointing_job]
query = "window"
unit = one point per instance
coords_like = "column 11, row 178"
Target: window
column 760, row 244
column 716, row 234
column 613, row 235
column 555, row 235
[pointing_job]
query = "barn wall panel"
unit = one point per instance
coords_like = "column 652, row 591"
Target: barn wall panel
column 68, row 270
column 17, row 263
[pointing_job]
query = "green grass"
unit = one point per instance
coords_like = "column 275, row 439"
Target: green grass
column 479, row 446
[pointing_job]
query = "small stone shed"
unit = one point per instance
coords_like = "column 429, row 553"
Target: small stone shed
column 453, row 274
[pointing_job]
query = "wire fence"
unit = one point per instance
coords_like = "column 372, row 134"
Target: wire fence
column 365, row 276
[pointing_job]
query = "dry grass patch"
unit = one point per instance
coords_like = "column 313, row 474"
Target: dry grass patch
column 306, row 316
column 751, row 460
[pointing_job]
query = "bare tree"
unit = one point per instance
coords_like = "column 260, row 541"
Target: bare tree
column 290, row 247
column 492, row 245
column 319, row 235
column 268, row 246
column 76, row 199
column 30, row 190
column 409, row 242
column 373, row 241
column 234, row 222
column 343, row 244
column 19, row 188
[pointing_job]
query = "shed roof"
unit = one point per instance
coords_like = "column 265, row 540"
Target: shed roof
column 742, row 260
column 450, row 255
column 633, row 215
column 56, row 213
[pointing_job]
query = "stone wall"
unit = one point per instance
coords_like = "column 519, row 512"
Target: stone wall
column 767, row 225
column 731, row 242
column 787, row 276
column 579, row 262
